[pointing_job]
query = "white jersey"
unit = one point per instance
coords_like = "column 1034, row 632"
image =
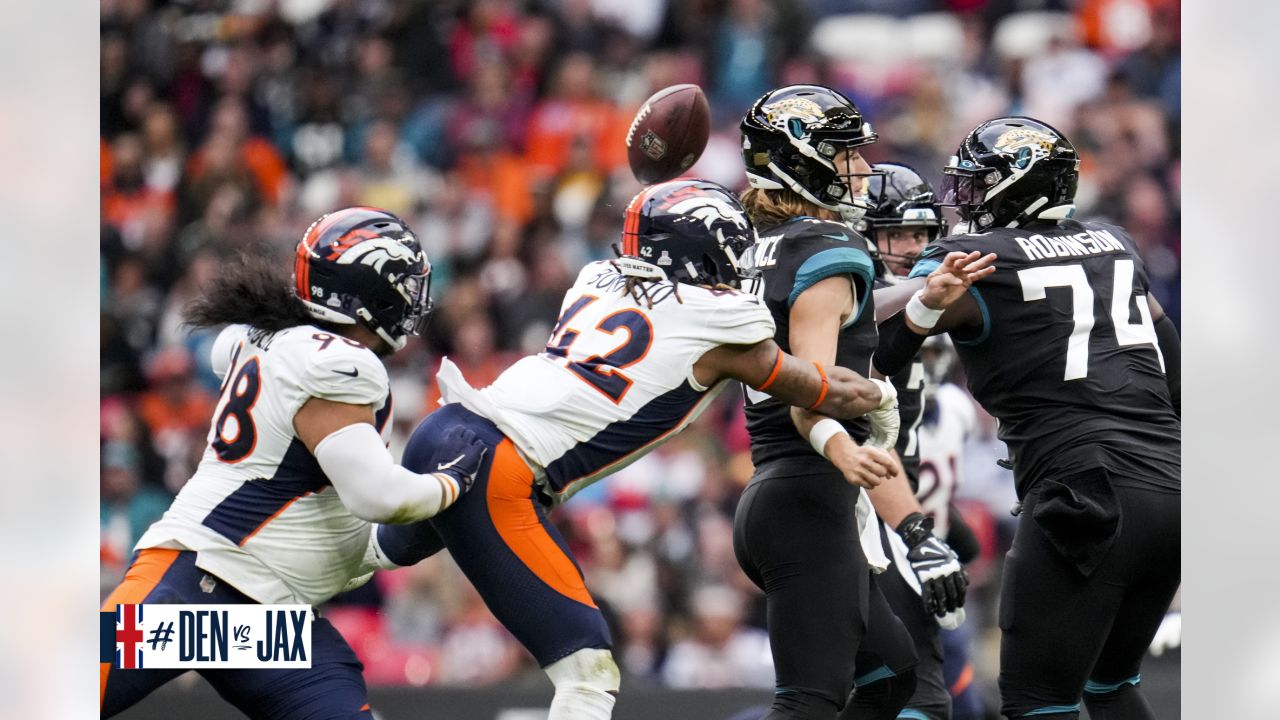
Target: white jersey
column 616, row 378
column 947, row 425
column 259, row 512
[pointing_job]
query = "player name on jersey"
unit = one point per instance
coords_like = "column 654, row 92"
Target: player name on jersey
column 206, row 636
column 1089, row 242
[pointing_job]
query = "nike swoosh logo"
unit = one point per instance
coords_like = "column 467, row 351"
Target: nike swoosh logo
column 455, row 461
column 841, row 238
column 355, row 372
column 931, row 551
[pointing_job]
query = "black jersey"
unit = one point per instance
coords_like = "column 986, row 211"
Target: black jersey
column 909, row 383
column 793, row 257
column 1067, row 358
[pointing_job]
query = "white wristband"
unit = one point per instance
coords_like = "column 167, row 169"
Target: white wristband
column 822, row 431
column 921, row 315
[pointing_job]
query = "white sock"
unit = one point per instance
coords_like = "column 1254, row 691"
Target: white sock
column 586, row 686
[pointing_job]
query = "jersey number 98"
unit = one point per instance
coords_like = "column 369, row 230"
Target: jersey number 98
column 241, row 394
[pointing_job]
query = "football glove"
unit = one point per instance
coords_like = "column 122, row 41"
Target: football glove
column 942, row 578
column 885, row 419
column 458, row 456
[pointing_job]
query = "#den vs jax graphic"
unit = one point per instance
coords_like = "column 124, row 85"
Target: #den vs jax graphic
column 156, row 636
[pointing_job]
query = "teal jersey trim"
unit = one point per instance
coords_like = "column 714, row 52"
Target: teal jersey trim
column 880, row 673
column 835, row 261
column 1054, row 709
column 1098, row 688
column 924, row 267
column 912, row 715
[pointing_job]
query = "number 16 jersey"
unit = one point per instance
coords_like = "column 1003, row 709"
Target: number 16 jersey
column 1067, row 358
column 616, row 378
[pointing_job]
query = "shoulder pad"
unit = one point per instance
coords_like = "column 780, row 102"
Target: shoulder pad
column 345, row 372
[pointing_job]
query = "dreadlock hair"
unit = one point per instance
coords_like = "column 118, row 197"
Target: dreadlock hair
column 249, row 292
column 638, row 289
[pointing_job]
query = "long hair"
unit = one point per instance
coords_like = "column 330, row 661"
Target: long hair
column 768, row 208
column 249, row 291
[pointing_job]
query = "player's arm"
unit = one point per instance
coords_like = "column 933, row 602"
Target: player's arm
column 370, row 483
column 1171, row 348
column 919, row 307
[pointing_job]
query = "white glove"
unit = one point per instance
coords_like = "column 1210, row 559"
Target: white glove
column 885, row 419
column 951, row 620
column 1169, row 635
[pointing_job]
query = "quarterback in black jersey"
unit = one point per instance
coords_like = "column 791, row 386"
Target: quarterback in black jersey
column 1067, row 349
column 798, row 527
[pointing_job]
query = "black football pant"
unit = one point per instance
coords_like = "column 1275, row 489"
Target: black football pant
column 795, row 535
column 1066, row 635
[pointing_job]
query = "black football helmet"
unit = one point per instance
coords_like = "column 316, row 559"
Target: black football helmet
column 791, row 137
column 1011, row 171
column 900, row 198
column 690, row 231
column 362, row 264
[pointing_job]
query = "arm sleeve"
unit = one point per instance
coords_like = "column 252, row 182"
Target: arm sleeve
column 372, row 486
column 1171, row 349
column 897, row 346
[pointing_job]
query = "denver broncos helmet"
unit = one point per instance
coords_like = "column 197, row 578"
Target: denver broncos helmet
column 690, row 231
column 363, row 264
column 1010, row 171
column 900, row 197
column 791, row 137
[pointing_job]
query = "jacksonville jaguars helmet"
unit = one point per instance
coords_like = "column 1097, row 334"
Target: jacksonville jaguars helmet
column 900, row 197
column 1009, row 172
column 690, row 231
column 363, row 264
column 791, row 137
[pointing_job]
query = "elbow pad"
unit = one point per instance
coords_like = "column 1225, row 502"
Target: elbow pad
column 372, row 485
column 897, row 347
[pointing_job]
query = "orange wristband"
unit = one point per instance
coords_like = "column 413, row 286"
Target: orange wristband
column 822, row 395
column 777, row 365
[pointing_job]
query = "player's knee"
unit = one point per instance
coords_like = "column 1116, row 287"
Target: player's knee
column 1112, row 701
column 882, row 698
column 589, row 670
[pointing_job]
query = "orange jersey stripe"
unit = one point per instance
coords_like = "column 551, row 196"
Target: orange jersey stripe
column 142, row 577
column 513, row 514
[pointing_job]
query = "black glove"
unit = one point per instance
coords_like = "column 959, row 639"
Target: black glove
column 942, row 578
column 459, row 454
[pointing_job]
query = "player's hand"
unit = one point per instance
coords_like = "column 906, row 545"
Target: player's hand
column 942, row 578
column 864, row 466
column 459, row 455
column 885, row 420
column 953, row 278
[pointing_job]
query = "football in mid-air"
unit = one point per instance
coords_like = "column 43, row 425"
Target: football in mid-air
column 668, row 133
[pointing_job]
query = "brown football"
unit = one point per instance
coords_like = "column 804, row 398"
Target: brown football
column 668, row 133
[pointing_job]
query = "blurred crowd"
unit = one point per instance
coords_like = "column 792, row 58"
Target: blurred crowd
column 496, row 129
